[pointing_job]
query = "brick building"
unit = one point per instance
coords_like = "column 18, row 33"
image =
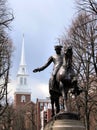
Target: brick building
column 22, row 94
column 43, row 112
column 45, row 116
column 22, row 98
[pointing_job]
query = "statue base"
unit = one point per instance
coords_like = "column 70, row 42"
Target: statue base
column 65, row 121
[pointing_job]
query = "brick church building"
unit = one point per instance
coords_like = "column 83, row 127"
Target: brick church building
column 22, row 99
column 22, row 94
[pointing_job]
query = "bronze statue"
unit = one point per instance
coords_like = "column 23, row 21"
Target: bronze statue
column 57, row 59
column 63, row 77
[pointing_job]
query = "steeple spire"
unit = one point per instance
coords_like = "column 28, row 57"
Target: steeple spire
column 22, row 68
column 22, row 62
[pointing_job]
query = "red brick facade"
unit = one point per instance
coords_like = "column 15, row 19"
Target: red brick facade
column 40, row 104
column 18, row 101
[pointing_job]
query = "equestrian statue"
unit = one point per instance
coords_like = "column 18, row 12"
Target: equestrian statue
column 63, row 77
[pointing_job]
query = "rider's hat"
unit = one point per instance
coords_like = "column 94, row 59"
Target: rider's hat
column 58, row 47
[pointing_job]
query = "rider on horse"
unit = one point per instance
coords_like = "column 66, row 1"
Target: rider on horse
column 57, row 59
column 63, row 68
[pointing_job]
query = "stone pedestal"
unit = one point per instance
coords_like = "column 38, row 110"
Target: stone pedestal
column 65, row 121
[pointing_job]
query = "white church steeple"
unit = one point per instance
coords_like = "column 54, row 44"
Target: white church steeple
column 22, row 68
column 22, row 62
column 22, row 75
column 22, row 93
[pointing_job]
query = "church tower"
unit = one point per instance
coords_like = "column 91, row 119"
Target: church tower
column 22, row 93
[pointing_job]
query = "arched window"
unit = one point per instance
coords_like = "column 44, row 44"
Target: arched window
column 23, row 98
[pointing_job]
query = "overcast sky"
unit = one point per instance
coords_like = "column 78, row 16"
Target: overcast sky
column 42, row 22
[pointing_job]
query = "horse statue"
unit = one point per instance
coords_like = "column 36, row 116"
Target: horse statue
column 65, row 80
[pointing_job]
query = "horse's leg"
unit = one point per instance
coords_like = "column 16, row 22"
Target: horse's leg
column 51, row 96
column 64, row 94
column 57, row 105
column 65, row 101
column 52, row 103
column 63, row 104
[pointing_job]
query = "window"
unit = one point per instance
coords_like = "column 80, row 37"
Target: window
column 21, row 81
column 41, row 106
column 23, row 98
column 46, row 105
column 23, row 69
column 25, row 81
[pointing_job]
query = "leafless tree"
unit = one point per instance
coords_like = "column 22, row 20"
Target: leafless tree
column 5, row 64
column 31, row 116
column 19, row 120
column 6, row 120
column 82, row 37
column 89, row 6
column 6, row 15
column 5, row 53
